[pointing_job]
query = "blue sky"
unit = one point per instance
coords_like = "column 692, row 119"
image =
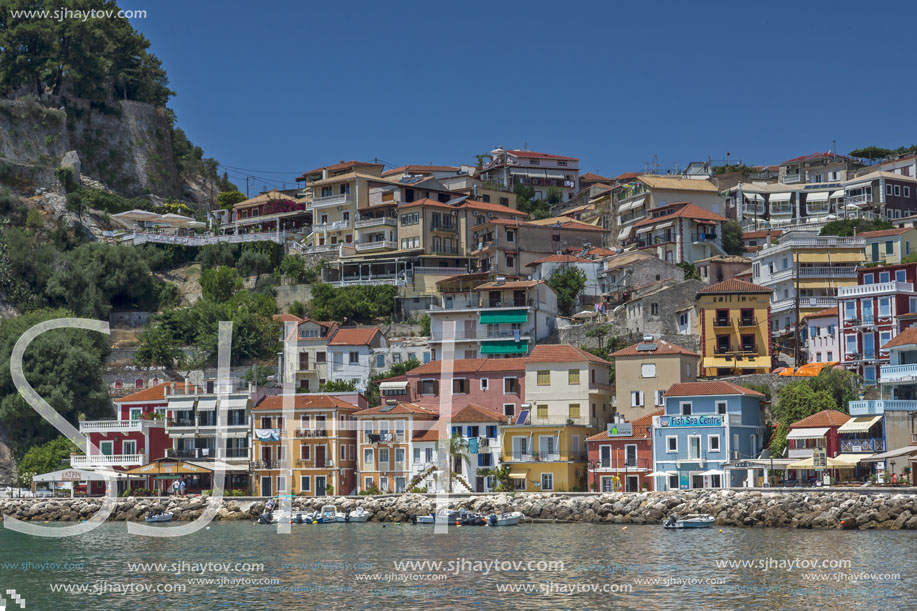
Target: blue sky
column 287, row 86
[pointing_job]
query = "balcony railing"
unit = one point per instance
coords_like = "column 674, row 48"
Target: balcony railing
column 541, row 456
column 273, row 464
column 862, row 445
column 322, row 248
column 106, row 460
column 729, row 350
column 828, row 272
column 311, row 433
column 446, row 228
column 441, row 271
column 332, row 200
column 332, row 226
column 722, row 322
column 377, row 245
column 111, row 426
column 875, row 289
column 789, row 179
column 877, row 407
column 748, row 322
column 444, row 250
column 865, row 198
column 376, row 222
column 898, row 373
column 483, row 333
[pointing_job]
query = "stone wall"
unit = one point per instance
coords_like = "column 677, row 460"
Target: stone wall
column 802, row 509
column 578, row 336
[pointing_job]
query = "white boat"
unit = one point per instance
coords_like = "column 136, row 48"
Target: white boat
column 445, row 516
column 691, row 520
column 505, row 519
column 357, row 515
column 160, row 517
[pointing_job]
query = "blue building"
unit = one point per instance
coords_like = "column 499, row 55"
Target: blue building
column 706, row 426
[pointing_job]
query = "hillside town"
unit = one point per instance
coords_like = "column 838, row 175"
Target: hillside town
column 697, row 296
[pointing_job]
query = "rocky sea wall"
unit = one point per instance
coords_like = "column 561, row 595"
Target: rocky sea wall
column 803, row 509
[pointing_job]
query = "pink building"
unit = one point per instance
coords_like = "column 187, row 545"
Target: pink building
column 823, row 343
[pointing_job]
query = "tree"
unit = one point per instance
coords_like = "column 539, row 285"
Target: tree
column 553, row 196
column 227, row 199
column 847, row 227
column 502, row 475
column 258, row 375
column 215, row 255
column 254, row 264
column 479, row 159
column 732, row 239
column 691, row 272
column 338, row 386
column 293, row 268
column 456, row 448
column 157, row 347
column 796, row 401
column 220, row 284
column 45, row 458
column 568, row 281
column 298, row 308
column 871, row 153
column 352, row 304
column 424, row 320
column 841, row 384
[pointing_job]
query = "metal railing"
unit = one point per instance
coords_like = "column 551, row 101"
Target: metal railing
column 446, row 271
column 311, row 433
column 865, row 198
column 377, row 245
column 863, row 445
column 543, row 456
column 789, row 179
column 110, row 426
column 332, row 200
column 204, row 240
column 331, row 226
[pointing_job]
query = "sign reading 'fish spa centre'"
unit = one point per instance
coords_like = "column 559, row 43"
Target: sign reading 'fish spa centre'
column 680, row 421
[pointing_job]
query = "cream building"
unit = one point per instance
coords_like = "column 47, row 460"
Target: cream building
column 643, row 372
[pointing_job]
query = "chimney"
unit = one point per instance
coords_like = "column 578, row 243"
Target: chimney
column 172, row 387
column 187, row 386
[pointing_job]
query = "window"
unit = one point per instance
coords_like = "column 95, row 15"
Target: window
column 683, row 319
column 128, row 447
column 713, row 443
column 694, row 446
column 671, row 444
column 850, row 310
column 885, row 308
column 367, row 456
column 630, row 455
column 574, row 410
column 368, row 483
column 685, row 408
column 510, row 261
column 399, row 455
column 380, row 361
column 885, row 276
column 654, row 309
column 542, row 412
column 888, row 190
column 281, row 483
column 868, row 279
column 906, row 191
column 884, row 338
column 305, row 483
column 354, row 357
column 305, row 452
column 383, row 455
column 485, row 384
column 889, row 247
column 636, row 398
column 319, row 357
column 429, row 387
column 660, row 397
column 509, row 409
column 900, row 275
column 547, row 481
column 510, row 235
column 510, row 386
column 573, row 377
column 721, row 407
column 460, row 386
column 851, row 344
column 544, row 377
column 897, row 190
column 648, row 370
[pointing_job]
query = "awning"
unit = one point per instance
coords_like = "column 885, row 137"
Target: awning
column 781, row 197
column 837, row 194
column 755, row 197
column 77, row 475
column 207, row 404
column 644, row 230
column 664, row 225
column 624, row 233
column 517, row 475
column 850, row 458
column 393, row 385
column 162, row 467
column 235, row 403
column 555, row 174
column 219, row 465
column 818, row 196
column 182, row 405
column 632, row 205
column 860, row 424
column 504, row 316
column 505, row 346
column 809, row 433
column 832, row 463
column 807, row 370
column 890, row 454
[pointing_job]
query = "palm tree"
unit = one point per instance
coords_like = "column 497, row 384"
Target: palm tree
column 458, row 448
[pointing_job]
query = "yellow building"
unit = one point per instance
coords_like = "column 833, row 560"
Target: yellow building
column 734, row 328
column 316, row 450
column 569, row 399
column 889, row 246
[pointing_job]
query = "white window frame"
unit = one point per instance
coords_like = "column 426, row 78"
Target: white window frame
column 725, row 405
column 281, row 483
column 710, row 447
column 372, row 456
column 636, row 456
column 668, row 446
column 485, row 384
column 681, row 408
column 637, row 398
column 648, row 370
column 516, row 384
column 548, row 475
column 660, row 398
column 700, row 446
column 111, row 445
column 305, row 479
column 127, row 441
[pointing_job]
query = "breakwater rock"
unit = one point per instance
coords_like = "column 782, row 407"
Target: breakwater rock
column 802, row 509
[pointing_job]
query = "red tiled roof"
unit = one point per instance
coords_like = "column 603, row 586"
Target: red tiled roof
column 826, row 417
column 153, row 393
column 905, row 338
column 536, row 155
column 426, row 202
column 718, row 387
column 626, row 176
column 471, row 366
column 276, row 402
column 562, row 353
column 734, row 286
column 764, row 233
column 357, row 336
column 430, row 434
column 884, row 232
column 822, row 313
column 640, row 426
column 682, row 210
column 491, row 207
column 400, row 408
column 591, row 177
column 477, row 413
column 420, row 169
column 819, row 155
column 512, row 284
column 600, row 252
column 578, row 225
column 287, row 318
column 343, row 165
column 559, row 259
column 662, row 347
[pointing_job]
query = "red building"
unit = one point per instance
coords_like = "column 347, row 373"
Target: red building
column 629, row 458
column 817, row 431
column 871, row 315
column 135, row 438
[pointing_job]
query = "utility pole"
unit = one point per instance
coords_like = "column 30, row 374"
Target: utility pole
column 796, row 290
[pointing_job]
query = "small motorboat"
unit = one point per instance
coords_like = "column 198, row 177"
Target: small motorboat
column 268, row 517
column 505, row 519
column 357, row 515
column 160, row 517
column 445, row 516
column 300, row 518
column 468, row 518
column 691, row 520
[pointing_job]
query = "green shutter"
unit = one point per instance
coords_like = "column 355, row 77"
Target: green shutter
column 504, row 316
column 504, row 346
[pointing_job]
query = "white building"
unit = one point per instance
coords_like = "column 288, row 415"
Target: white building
column 350, row 354
column 823, row 339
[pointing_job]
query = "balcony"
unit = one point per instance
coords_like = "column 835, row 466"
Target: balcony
column 272, row 464
column 703, row 237
column 332, row 200
column 824, row 242
column 789, row 179
column 862, row 290
column 111, row 426
column 445, row 228
column 748, row 322
column 898, row 374
column 376, row 222
column 859, row 200
column 828, row 272
column 862, row 445
column 332, row 226
column 444, row 250
column 377, row 245
column 441, row 271
column 722, row 322
column 805, row 302
column 729, row 351
column 878, row 407
column 94, row 461
column 541, row 456
column 322, row 249
column 309, row 433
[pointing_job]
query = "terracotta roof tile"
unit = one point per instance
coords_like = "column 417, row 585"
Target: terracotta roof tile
column 560, row 259
column 592, row 177
column 153, row 393
column 276, row 402
column 681, row 210
column 477, row 413
column 600, row 252
column 662, row 347
column 287, row 318
column 426, row 202
column 826, row 417
column 421, row 435
column 536, row 155
column 356, row 336
column 717, row 387
column 420, row 169
column 343, row 165
column 400, row 408
column 907, row 337
column 641, row 429
column 882, row 233
column 733, row 286
column 562, row 353
column 471, row 366
column 491, row 207
column 512, row 284
column 822, row 313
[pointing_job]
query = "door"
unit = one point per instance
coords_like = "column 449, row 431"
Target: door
column 470, row 330
column 694, row 447
column 632, row 483
column 319, row 458
column 266, row 455
column 697, row 481
column 875, row 251
column 265, row 486
column 399, row 484
column 319, row 485
column 479, row 484
column 605, row 452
